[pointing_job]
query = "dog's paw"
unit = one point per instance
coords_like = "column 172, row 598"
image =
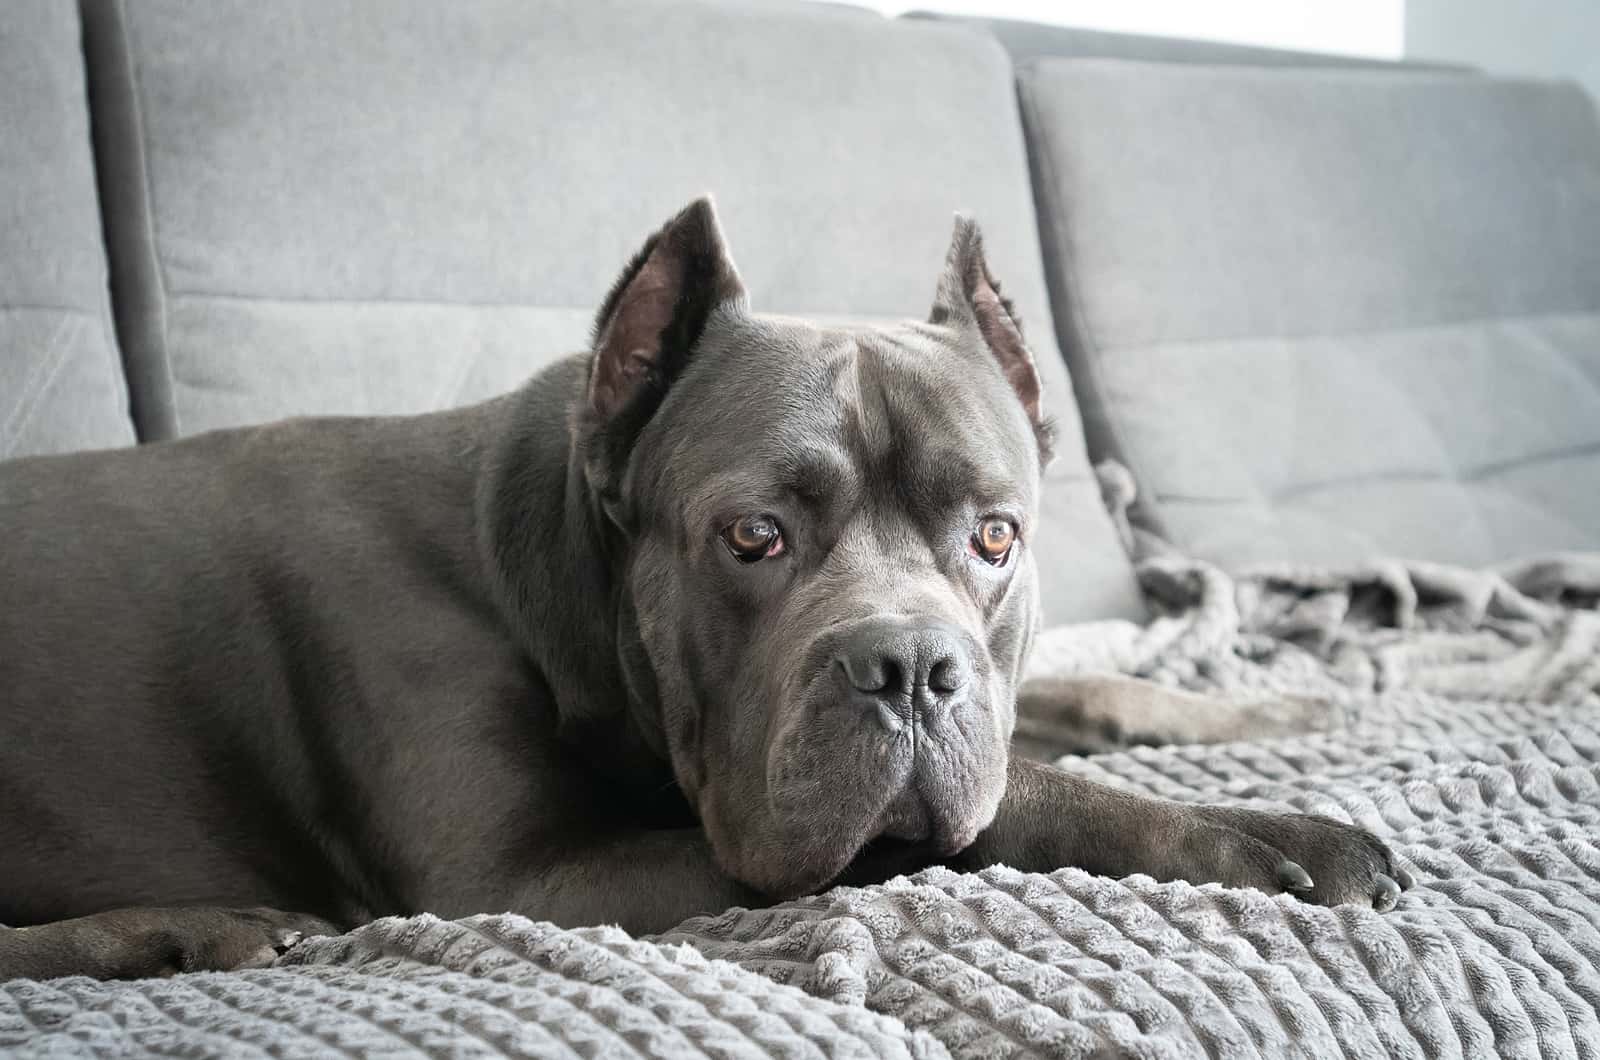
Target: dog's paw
column 229, row 939
column 147, row 943
column 1314, row 858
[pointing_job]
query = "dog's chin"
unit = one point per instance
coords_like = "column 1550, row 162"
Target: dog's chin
column 910, row 820
column 906, row 820
column 793, row 857
column 832, row 788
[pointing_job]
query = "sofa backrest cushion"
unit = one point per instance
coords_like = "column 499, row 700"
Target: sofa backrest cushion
column 376, row 206
column 61, row 386
column 1324, row 315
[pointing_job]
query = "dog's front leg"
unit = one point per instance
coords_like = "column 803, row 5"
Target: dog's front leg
column 146, row 943
column 1051, row 819
column 645, row 881
column 1092, row 713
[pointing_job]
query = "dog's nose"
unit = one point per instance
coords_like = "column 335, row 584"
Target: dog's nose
column 905, row 671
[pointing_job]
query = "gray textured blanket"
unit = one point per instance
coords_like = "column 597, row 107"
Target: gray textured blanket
column 1472, row 743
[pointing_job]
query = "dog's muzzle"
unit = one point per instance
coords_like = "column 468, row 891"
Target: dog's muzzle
column 904, row 672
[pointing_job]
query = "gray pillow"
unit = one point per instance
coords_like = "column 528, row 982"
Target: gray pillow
column 1325, row 315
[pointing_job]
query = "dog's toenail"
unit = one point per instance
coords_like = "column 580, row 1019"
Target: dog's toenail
column 1386, row 894
column 1291, row 877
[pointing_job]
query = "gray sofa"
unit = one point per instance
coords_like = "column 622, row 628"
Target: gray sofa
column 1337, row 322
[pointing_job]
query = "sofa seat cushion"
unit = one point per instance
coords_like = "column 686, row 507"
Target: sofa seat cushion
column 1329, row 315
column 61, row 385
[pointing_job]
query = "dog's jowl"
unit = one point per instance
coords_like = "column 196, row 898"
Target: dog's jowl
column 721, row 611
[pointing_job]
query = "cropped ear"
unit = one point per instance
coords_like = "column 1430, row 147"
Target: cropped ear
column 656, row 311
column 968, row 295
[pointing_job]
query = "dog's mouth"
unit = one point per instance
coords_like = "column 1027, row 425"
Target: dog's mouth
column 837, row 780
column 824, row 819
column 909, row 819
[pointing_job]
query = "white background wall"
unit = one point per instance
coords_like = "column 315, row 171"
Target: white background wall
column 1545, row 38
column 1353, row 27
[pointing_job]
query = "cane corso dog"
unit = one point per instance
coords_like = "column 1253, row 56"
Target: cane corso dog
column 727, row 609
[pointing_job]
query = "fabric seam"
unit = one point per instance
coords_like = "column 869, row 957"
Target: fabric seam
column 152, row 235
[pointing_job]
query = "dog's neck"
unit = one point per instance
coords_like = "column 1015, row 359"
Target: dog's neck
column 555, row 577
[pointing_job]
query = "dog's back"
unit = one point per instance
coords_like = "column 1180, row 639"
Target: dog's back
column 209, row 682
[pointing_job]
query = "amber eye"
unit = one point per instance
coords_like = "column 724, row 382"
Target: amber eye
column 993, row 539
column 753, row 537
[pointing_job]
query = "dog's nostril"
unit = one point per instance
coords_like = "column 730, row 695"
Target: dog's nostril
column 899, row 665
column 946, row 676
column 868, row 672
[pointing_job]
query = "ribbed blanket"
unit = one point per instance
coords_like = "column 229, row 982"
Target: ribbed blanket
column 1470, row 739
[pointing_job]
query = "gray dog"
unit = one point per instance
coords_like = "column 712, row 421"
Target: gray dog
column 728, row 609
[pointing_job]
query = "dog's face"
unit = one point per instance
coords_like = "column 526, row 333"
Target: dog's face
column 828, row 540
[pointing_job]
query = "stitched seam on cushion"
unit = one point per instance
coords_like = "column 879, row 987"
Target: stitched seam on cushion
column 449, row 391
column 41, row 307
column 1267, row 500
column 213, row 296
column 1443, row 325
column 34, row 391
column 113, row 345
column 1079, row 335
column 1476, row 474
column 1460, row 477
column 147, row 195
column 820, row 316
column 1498, row 467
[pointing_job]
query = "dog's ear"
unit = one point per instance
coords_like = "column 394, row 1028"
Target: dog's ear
column 656, row 311
column 969, row 296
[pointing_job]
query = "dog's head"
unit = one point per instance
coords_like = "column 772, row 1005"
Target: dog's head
column 826, row 540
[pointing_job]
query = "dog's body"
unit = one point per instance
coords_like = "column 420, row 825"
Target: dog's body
column 725, row 610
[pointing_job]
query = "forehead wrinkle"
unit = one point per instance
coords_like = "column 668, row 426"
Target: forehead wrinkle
column 937, row 473
column 814, row 475
column 705, row 505
column 864, row 406
column 967, row 407
column 943, row 468
column 807, row 474
column 807, row 463
column 943, row 480
column 896, row 338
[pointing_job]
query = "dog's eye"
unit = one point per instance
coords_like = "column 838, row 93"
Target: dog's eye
column 753, row 537
column 993, row 538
